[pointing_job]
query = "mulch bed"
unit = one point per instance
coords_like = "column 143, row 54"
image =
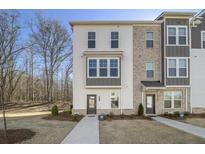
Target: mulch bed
column 64, row 116
column 16, row 135
column 125, row 117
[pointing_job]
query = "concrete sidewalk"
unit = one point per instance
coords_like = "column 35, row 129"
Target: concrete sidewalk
column 195, row 130
column 85, row 132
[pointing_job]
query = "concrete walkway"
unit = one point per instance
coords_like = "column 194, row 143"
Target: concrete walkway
column 189, row 128
column 85, row 132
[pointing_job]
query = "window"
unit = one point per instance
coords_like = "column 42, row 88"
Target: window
column 172, row 70
column 177, row 67
column 114, row 99
column 114, row 39
column 182, row 67
column 91, row 39
column 182, row 35
column 92, row 67
column 172, row 99
column 103, row 67
column 172, row 35
column 177, row 35
column 150, row 69
column 149, row 39
column 203, row 39
column 113, row 67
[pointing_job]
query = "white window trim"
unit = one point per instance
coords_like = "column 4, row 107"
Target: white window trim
column 153, row 69
column 172, row 99
column 202, row 39
column 108, row 66
column 177, row 67
column 114, row 39
column 149, row 39
column 177, row 35
column 91, row 40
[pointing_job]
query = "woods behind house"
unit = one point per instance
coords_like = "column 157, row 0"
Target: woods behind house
column 35, row 60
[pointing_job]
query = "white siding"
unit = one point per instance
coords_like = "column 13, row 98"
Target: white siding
column 103, row 39
column 197, row 70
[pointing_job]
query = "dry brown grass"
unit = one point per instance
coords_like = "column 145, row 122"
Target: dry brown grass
column 143, row 132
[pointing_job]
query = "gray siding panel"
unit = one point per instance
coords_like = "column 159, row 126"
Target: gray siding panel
column 103, row 81
column 177, row 51
column 196, row 34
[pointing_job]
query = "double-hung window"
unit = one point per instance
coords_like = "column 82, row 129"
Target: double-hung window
column 172, row 67
column 149, row 39
column 172, row 99
column 103, row 68
column 177, row 67
column 114, row 67
column 114, row 39
column 203, row 39
column 92, row 68
column 150, row 69
column 172, row 37
column 91, row 39
column 177, row 35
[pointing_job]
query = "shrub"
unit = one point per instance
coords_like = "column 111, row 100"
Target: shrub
column 54, row 110
column 166, row 114
column 186, row 113
column 69, row 111
column 140, row 110
column 177, row 114
column 111, row 114
column 76, row 117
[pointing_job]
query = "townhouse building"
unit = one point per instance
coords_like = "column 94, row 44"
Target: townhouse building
column 119, row 64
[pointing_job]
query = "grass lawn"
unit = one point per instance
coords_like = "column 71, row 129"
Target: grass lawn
column 143, row 132
column 46, row 131
column 196, row 121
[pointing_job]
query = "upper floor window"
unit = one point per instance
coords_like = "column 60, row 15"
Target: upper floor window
column 113, row 67
column 177, row 67
column 177, row 35
column 150, row 69
column 149, row 39
column 203, row 39
column 103, row 67
column 91, row 39
column 114, row 39
column 92, row 67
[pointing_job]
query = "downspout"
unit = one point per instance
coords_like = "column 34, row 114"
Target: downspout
column 121, row 86
column 186, row 98
column 190, row 65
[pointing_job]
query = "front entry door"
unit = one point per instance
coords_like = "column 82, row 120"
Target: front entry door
column 150, row 104
column 91, row 104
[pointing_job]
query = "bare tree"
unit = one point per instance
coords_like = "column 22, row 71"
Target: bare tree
column 53, row 44
column 10, row 46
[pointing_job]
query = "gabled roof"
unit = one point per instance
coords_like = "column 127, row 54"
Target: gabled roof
column 168, row 13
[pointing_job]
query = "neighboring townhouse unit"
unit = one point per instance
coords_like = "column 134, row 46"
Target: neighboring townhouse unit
column 119, row 64
column 198, row 63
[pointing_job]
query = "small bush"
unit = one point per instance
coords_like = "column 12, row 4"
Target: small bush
column 166, row 114
column 111, row 114
column 69, row 111
column 54, row 110
column 176, row 114
column 186, row 113
column 140, row 110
